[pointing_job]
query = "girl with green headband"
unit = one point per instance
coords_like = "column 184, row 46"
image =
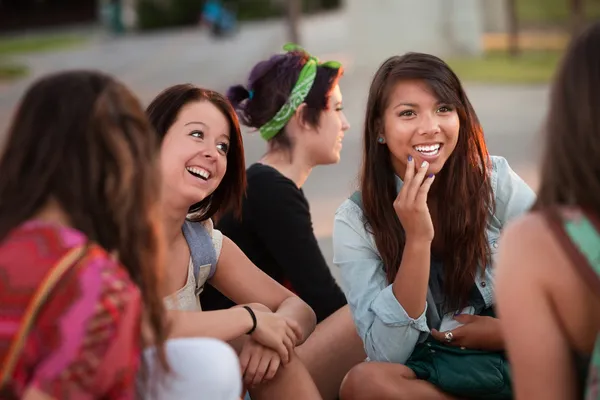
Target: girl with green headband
column 295, row 103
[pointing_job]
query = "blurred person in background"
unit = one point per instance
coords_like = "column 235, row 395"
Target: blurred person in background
column 549, row 263
column 415, row 243
column 203, row 171
column 295, row 102
column 219, row 19
column 79, row 227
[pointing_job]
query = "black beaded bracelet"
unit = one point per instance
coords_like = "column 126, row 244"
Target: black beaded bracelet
column 253, row 320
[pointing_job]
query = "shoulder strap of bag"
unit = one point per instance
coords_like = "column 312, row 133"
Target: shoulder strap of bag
column 201, row 246
column 580, row 239
column 41, row 294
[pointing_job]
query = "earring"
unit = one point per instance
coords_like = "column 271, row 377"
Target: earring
column 380, row 140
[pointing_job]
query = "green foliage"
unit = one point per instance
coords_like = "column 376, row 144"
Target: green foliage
column 156, row 14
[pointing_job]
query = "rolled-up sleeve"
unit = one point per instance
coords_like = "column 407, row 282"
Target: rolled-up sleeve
column 388, row 333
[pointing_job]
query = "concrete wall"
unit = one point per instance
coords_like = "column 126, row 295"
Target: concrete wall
column 495, row 17
column 381, row 28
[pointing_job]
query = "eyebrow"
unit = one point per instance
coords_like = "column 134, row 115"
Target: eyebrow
column 196, row 123
column 406, row 105
column 413, row 105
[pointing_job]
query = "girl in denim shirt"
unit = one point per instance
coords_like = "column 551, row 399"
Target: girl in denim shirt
column 416, row 243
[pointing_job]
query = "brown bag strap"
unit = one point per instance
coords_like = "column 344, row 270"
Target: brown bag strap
column 41, row 294
column 585, row 263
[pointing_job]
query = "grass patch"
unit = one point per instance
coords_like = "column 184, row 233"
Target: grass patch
column 530, row 67
column 553, row 12
column 10, row 71
column 14, row 46
column 20, row 45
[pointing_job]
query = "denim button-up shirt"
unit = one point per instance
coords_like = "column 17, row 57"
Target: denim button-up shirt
column 388, row 333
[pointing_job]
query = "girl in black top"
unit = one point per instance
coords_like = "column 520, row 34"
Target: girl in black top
column 294, row 101
column 276, row 233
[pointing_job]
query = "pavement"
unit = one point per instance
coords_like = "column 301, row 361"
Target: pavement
column 511, row 115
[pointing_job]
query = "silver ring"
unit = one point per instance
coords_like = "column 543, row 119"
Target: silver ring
column 449, row 336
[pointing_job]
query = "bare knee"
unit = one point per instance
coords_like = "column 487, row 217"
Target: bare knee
column 370, row 381
column 358, row 383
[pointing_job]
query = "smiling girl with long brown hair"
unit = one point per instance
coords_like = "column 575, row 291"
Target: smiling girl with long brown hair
column 415, row 243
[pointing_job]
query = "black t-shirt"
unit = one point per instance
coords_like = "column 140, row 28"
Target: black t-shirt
column 276, row 233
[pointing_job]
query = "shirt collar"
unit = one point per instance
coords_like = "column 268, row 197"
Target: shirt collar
column 399, row 183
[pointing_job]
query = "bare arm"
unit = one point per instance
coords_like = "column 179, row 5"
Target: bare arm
column 240, row 280
column 34, row 394
column 410, row 285
column 532, row 333
column 223, row 324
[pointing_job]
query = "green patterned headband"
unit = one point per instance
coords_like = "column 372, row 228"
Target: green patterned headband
column 299, row 92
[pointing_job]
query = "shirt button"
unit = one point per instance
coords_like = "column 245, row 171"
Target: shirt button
column 483, row 284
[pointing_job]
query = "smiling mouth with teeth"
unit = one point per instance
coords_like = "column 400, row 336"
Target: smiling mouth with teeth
column 200, row 173
column 428, row 150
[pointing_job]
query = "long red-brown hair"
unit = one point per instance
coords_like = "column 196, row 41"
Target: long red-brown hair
column 462, row 189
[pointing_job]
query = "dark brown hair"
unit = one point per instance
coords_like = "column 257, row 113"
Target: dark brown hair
column 271, row 82
column 570, row 172
column 82, row 139
column 462, row 188
column 163, row 112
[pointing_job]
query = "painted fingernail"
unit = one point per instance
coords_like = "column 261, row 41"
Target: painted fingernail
column 425, row 163
column 430, row 176
column 409, row 158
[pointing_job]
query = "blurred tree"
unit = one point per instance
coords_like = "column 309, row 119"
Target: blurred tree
column 513, row 28
column 294, row 9
column 577, row 15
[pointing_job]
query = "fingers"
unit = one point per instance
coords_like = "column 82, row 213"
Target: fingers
column 245, row 358
column 466, row 318
column 289, row 345
column 437, row 335
column 410, row 169
column 416, row 182
column 296, row 330
column 283, row 351
column 252, row 369
column 408, row 177
column 262, row 367
column 424, row 190
column 441, row 337
column 273, row 367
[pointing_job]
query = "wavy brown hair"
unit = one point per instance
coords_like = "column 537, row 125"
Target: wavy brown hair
column 163, row 112
column 80, row 138
column 462, row 188
column 570, row 173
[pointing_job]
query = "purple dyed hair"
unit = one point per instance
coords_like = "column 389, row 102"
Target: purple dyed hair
column 272, row 81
